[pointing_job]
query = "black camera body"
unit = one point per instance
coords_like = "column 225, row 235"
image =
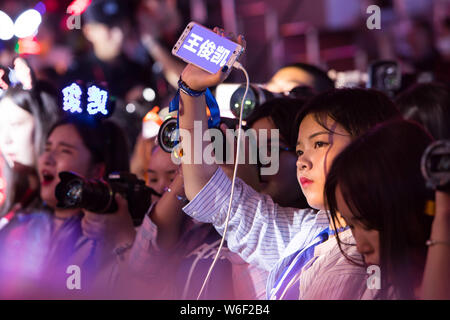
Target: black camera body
column 256, row 96
column 435, row 165
column 94, row 195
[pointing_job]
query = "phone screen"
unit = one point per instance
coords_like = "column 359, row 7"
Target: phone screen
column 206, row 49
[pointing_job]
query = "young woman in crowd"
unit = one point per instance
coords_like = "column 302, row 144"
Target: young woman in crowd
column 377, row 186
column 49, row 243
column 276, row 238
column 169, row 238
column 429, row 105
column 25, row 118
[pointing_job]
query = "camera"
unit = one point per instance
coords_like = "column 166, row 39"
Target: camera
column 168, row 139
column 385, row 76
column 435, row 165
column 95, row 195
column 257, row 95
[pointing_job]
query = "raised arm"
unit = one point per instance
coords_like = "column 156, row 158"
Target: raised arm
column 436, row 280
column 171, row 67
column 193, row 109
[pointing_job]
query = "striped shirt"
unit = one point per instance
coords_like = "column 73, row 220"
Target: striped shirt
column 260, row 231
column 329, row 275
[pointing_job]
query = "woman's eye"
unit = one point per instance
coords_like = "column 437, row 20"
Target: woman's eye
column 298, row 152
column 153, row 180
column 320, row 144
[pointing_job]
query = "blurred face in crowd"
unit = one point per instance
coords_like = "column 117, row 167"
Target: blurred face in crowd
column 64, row 151
column 316, row 149
column 282, row 186
column 16, row 134
column 288, row 78
column 107, row 42
column 367, row 240
column 161, row 171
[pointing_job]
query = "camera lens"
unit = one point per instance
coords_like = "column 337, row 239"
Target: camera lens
column 250, row 103
column 440, row 163
column 167, row 135
column 74, row 193
column 436, row 165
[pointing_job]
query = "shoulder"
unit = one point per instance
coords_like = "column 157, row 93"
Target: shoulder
column 333, row 275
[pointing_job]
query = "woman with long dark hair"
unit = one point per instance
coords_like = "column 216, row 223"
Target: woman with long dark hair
column 376, row 185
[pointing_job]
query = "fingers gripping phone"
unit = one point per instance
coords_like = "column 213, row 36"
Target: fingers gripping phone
column 206, row 49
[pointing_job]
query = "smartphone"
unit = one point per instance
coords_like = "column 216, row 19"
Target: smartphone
column 205, row 49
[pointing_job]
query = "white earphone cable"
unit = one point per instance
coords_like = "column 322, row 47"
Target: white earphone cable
column 239, row 66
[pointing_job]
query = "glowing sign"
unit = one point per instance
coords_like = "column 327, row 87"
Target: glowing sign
column 94, row 102
column 97, row 99
column 72, row 98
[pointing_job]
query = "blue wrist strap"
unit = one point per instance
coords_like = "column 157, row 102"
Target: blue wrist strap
column 214, row 119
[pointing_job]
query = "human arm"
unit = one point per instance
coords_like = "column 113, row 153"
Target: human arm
column 161, row 20
column 259, row 230
column 436, row 279
column 171, row 67
column 192, row 114
column 113, row 230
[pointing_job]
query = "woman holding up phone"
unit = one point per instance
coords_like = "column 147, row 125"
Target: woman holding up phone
column 282, row 240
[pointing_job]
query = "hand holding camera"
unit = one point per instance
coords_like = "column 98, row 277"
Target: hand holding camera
column 112, row 229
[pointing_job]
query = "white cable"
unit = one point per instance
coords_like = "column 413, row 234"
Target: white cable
column 239, row 66
column 200, row 255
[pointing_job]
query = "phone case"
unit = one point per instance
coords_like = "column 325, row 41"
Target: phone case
column 233, row 57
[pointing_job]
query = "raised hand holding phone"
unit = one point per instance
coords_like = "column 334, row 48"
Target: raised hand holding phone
column 209, row 65
column 209, row 53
